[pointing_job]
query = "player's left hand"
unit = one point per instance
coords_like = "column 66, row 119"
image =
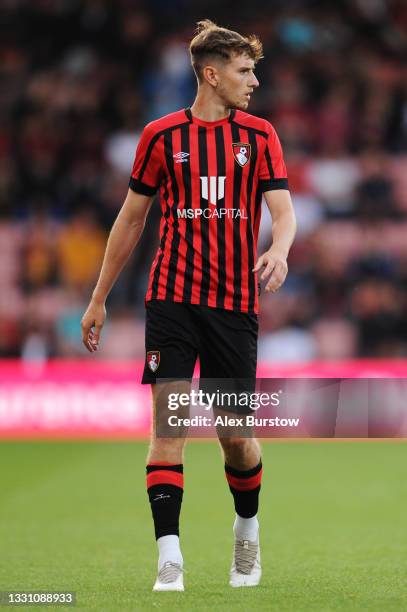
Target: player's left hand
column 274, row 263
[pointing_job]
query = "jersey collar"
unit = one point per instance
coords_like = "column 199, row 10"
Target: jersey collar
column 193, row 119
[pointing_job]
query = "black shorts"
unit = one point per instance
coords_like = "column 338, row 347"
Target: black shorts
column 225, row 342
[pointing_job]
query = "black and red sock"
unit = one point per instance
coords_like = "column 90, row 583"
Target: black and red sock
column 245, row 487
column 165, row 487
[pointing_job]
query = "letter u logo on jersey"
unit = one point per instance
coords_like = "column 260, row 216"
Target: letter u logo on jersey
column 213, row 188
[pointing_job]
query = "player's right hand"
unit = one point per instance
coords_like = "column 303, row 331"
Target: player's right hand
column 92, row 323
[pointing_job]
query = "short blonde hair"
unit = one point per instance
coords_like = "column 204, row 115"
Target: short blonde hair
column 212, row 41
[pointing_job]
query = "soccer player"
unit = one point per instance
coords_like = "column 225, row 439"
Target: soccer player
column 212, row 164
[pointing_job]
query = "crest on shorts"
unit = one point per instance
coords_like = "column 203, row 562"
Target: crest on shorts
column 241, row 152
column 153, row 360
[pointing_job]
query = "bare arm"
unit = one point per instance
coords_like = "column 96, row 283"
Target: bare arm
column 274, row 260
column 124, row 235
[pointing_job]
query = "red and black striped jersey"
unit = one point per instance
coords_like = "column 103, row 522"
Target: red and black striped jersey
column 210, row 176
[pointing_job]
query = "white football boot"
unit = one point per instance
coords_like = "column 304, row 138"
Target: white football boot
column 170, row 578
column 246, row 568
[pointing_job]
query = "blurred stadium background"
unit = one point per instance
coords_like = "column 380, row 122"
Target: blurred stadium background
column 80, row 79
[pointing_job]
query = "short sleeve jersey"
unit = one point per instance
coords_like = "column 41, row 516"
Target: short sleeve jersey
column 210, row 177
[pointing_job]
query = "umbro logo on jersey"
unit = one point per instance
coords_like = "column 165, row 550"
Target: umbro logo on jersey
column 181, row 157
column 241, row 152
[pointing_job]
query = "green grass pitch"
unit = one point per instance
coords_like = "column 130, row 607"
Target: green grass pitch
column 74, row 516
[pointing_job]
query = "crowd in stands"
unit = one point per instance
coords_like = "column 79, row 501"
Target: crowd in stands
column 80, row 78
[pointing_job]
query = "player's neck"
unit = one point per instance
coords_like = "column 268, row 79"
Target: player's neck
column 208, row 108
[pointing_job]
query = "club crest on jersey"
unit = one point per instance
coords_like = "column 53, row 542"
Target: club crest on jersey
column 241, row 152
column 153, row 360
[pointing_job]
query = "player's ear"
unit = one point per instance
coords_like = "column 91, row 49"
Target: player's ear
column 211, row 76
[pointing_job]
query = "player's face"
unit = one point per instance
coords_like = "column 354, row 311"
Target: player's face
column 237, row 82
